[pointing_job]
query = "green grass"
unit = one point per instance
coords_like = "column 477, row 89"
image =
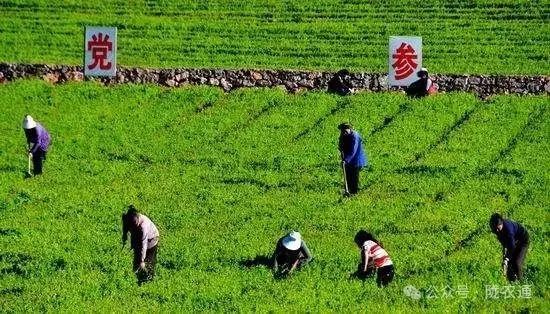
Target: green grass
column 482, row 37
column 224, row 175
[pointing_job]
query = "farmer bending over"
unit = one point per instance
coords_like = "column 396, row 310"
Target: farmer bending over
column 340, row 84
column 373, row 258
column 144, row 241
column 514, row 240
column 38, row 141
column 290, row 253
column 424, row 86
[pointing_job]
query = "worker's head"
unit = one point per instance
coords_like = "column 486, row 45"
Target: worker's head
column 496, row 222
column 362, row 236
column 423, row 73
column 28, row 123
column 292, row 241
column 342, row 73
column 345, row 128
column 131, row 218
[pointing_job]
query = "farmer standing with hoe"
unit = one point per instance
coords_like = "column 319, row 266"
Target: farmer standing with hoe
column 353, row 157
column 38, row 140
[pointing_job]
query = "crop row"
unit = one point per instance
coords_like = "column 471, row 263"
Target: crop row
column 490, row 38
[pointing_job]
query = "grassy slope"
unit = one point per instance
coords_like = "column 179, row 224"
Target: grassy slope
column 224, row 175
column 505, row 37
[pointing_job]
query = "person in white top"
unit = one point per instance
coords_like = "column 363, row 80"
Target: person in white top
column 373, row 258
column 144, row 241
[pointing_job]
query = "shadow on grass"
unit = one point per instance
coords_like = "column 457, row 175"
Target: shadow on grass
column 265, row 261
column 11, row 291
column 9, row 232
column 362, row 275
column 17, row 263
column 259, row 260
column 8, row 169
column 530, row 272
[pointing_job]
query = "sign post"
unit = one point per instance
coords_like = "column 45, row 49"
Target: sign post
column 100, row 51
column 405, row 60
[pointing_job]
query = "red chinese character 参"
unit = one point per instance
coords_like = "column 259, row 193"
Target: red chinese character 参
column 404, row 64
column 99, row 46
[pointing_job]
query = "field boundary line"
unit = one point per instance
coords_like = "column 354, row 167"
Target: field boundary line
column 294, row 81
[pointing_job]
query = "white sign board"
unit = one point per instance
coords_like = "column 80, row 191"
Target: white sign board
column 405, row 60
column 100, row 51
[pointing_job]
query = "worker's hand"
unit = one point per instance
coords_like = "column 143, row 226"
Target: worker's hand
column 282, row 273
column 30, row 155
column 142, row 265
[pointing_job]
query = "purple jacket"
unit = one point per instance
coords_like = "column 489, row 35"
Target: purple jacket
column 42, row 141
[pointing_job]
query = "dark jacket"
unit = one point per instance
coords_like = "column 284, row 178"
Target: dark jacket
column 285, row 256
column 418, row 88
column 339, row 84
column 352, row 149
column 512, row 237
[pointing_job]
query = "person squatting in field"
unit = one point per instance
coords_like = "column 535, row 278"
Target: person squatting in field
column 514, row 240
column 373, row 258
column 424, row 86
column 38, row 141
column 144, row 241
column 291, row 252
column 353, row 157
column 340, row 84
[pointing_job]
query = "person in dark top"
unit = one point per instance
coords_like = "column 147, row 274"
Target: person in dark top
column 424, row 86
column 340, row 84
column 291, row 252
column 514, row 240
column 353, row 157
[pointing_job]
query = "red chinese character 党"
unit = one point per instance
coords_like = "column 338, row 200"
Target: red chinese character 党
column 404, row 64
column 99, row 46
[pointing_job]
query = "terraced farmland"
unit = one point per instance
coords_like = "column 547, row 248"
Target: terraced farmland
column 224, row 175
column 481, row 37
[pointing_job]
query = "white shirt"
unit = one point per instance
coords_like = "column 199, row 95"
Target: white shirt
column 150, row 234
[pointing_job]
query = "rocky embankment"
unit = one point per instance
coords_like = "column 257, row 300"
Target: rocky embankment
column 293, row 81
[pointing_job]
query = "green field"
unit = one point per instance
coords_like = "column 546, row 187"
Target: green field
column 224, row 175
column 481, row 37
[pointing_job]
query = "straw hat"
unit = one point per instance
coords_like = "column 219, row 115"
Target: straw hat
column 28, row 122
column 292, row 241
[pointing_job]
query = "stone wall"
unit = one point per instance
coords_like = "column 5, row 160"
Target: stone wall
column 293, row 81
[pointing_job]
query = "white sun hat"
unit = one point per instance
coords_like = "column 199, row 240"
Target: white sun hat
column 28, row 122
column 292, row 241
